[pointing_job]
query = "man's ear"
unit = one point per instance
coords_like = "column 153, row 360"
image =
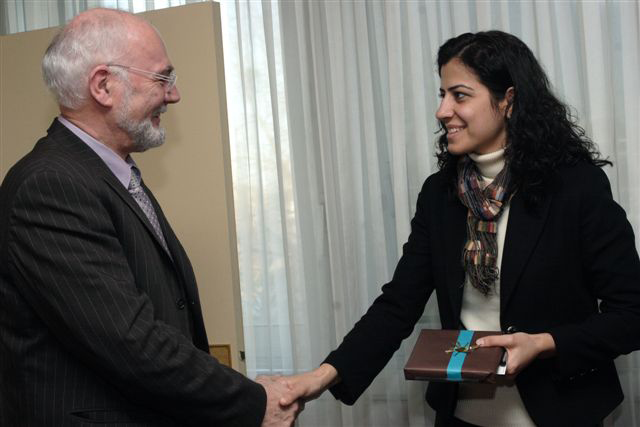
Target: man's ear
column 101, row 85
column 507, row 102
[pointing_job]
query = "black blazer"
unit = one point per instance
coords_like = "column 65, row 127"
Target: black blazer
column 98, row 324
column 575, row 248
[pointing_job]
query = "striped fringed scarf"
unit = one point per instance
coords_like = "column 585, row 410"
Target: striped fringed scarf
column 480, row 253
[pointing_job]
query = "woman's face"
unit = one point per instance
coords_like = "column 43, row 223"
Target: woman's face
column 473, row 123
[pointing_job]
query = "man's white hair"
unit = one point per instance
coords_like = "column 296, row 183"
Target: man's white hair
column 95, row 37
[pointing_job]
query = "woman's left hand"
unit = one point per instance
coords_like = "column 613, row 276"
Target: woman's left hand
column 522, row 349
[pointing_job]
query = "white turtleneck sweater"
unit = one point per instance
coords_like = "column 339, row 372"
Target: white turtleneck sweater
column 487, row 404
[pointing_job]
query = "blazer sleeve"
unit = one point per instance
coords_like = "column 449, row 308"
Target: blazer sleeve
column 611, row 274
column 367, row 348
column 68, row 263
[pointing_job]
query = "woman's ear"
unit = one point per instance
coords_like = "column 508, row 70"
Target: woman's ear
column 507, row 103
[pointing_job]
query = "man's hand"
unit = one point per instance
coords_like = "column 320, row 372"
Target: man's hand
column 522, row 349
column 309, row 385
column 276, row 414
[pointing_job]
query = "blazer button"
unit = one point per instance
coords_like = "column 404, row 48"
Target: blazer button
column 180, row 304
column 512, row 330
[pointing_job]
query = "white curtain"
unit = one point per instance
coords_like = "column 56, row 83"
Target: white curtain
column 331, row 108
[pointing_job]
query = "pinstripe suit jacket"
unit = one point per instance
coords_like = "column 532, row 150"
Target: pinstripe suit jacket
column 98, row 325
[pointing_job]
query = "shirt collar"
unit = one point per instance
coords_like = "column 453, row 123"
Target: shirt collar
column 120, row 168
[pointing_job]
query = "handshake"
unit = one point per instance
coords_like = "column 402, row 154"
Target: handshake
column 286, row 396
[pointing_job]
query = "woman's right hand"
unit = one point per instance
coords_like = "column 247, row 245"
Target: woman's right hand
column 309, row 385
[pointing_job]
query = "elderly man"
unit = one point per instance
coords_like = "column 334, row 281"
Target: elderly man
column 100, row 320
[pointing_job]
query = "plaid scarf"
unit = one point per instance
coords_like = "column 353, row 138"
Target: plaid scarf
column 480, row 253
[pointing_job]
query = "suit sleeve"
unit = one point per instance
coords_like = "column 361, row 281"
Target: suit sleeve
column 367, row 348
column 70, row 267
column 612, row 275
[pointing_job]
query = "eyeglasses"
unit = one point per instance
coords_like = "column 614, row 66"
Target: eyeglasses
column 168, row 81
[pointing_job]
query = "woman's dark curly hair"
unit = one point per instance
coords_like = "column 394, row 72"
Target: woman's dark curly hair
column 541, row 132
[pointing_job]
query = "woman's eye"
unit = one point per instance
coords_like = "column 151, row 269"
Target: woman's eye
column 456, row 95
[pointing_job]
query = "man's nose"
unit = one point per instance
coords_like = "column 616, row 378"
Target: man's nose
column 172, row 96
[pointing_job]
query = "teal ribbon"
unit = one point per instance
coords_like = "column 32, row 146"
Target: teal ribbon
column 454, row 369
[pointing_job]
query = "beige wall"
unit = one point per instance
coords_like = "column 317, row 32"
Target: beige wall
column 190, row 175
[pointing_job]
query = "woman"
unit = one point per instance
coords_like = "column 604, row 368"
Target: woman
column 521, row 199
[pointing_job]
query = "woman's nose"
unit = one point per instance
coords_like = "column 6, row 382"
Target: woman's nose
column 445, row 110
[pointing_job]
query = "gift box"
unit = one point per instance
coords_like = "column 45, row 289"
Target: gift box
column 451, row 355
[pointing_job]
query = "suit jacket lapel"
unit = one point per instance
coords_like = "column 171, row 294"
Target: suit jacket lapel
column 83, row 156
column 117, row 186
column 177, row 256
column 454, row 236
column 176, row 250
column 523, row 231
column 185, row 276
column 95, row 169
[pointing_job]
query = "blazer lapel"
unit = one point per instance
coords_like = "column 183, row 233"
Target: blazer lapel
column 185, row 275
column 175, row 248
column 117, row 186
column 523, row 232
column 454, row 236
column 95, row 169
column 83, row 156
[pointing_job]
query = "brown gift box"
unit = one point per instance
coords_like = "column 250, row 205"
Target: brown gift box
column 434, row 359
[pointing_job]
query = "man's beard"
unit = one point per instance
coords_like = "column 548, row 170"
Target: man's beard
column 143, row 134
